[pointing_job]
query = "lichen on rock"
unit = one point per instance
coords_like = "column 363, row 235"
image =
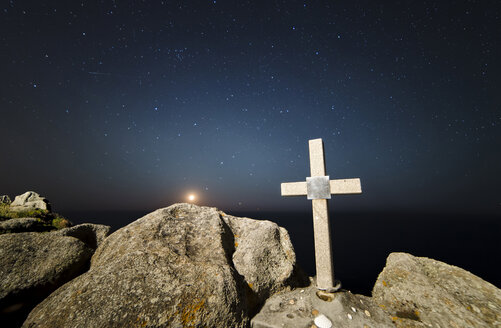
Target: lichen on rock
column 422, row 292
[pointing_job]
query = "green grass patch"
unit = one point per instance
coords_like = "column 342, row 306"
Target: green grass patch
column 47, row 218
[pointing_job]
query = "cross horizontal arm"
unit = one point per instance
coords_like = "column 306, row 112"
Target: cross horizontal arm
column 338, row 187
column 345, row 186
column 293, row 188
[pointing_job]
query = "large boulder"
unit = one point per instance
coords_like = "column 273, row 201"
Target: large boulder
column 176, row 267
column 421, row 292
column 30, row 200
column 32, row 265
column 23, row 225
column 308, row 307
column 91, row 234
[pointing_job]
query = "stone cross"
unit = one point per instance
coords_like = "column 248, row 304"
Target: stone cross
column 319, row 188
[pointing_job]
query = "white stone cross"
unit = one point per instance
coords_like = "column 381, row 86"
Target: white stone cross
column 319, row 188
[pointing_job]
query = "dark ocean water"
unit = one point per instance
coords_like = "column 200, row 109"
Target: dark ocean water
column 362, row 241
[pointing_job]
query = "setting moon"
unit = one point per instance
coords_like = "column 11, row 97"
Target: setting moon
column 191, row 197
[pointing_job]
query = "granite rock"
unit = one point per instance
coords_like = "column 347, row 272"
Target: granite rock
column 23, row 225
column 422, row 292
column 174, row 267
column 29, row 200
column 264, row 256
column 34, row 264
column 91, row 234
column 308, row 307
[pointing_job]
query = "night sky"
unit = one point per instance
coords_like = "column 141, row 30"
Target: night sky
column 135, row 104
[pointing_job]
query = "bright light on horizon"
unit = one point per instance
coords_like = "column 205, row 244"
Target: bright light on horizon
column 191, row 197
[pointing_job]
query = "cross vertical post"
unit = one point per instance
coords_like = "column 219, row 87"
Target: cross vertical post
column 321, row 225
column 319, row 188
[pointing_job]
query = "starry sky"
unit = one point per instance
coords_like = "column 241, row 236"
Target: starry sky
column 134, row 104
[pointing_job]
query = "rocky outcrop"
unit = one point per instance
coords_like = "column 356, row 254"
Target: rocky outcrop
column 5, row 199
column 23, row 225
column 181, row 266
column 264, row 256
column 28, row 201
column 308, row 307
column 421, row 292
column 91, row 234
column 32, row 265
column 192, row 266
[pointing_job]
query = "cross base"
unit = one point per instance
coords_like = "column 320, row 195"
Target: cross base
column 337, row 286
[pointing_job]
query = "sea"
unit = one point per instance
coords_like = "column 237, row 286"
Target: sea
column 362, row 241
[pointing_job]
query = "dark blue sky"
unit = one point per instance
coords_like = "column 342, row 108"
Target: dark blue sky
column 133, row 104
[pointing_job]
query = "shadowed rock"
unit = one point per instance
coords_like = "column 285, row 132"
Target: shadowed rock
column 421, row 292
column 176, row 267
column 5, row 199
column 23, row 225
column 91, row 234
column 32, row 265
